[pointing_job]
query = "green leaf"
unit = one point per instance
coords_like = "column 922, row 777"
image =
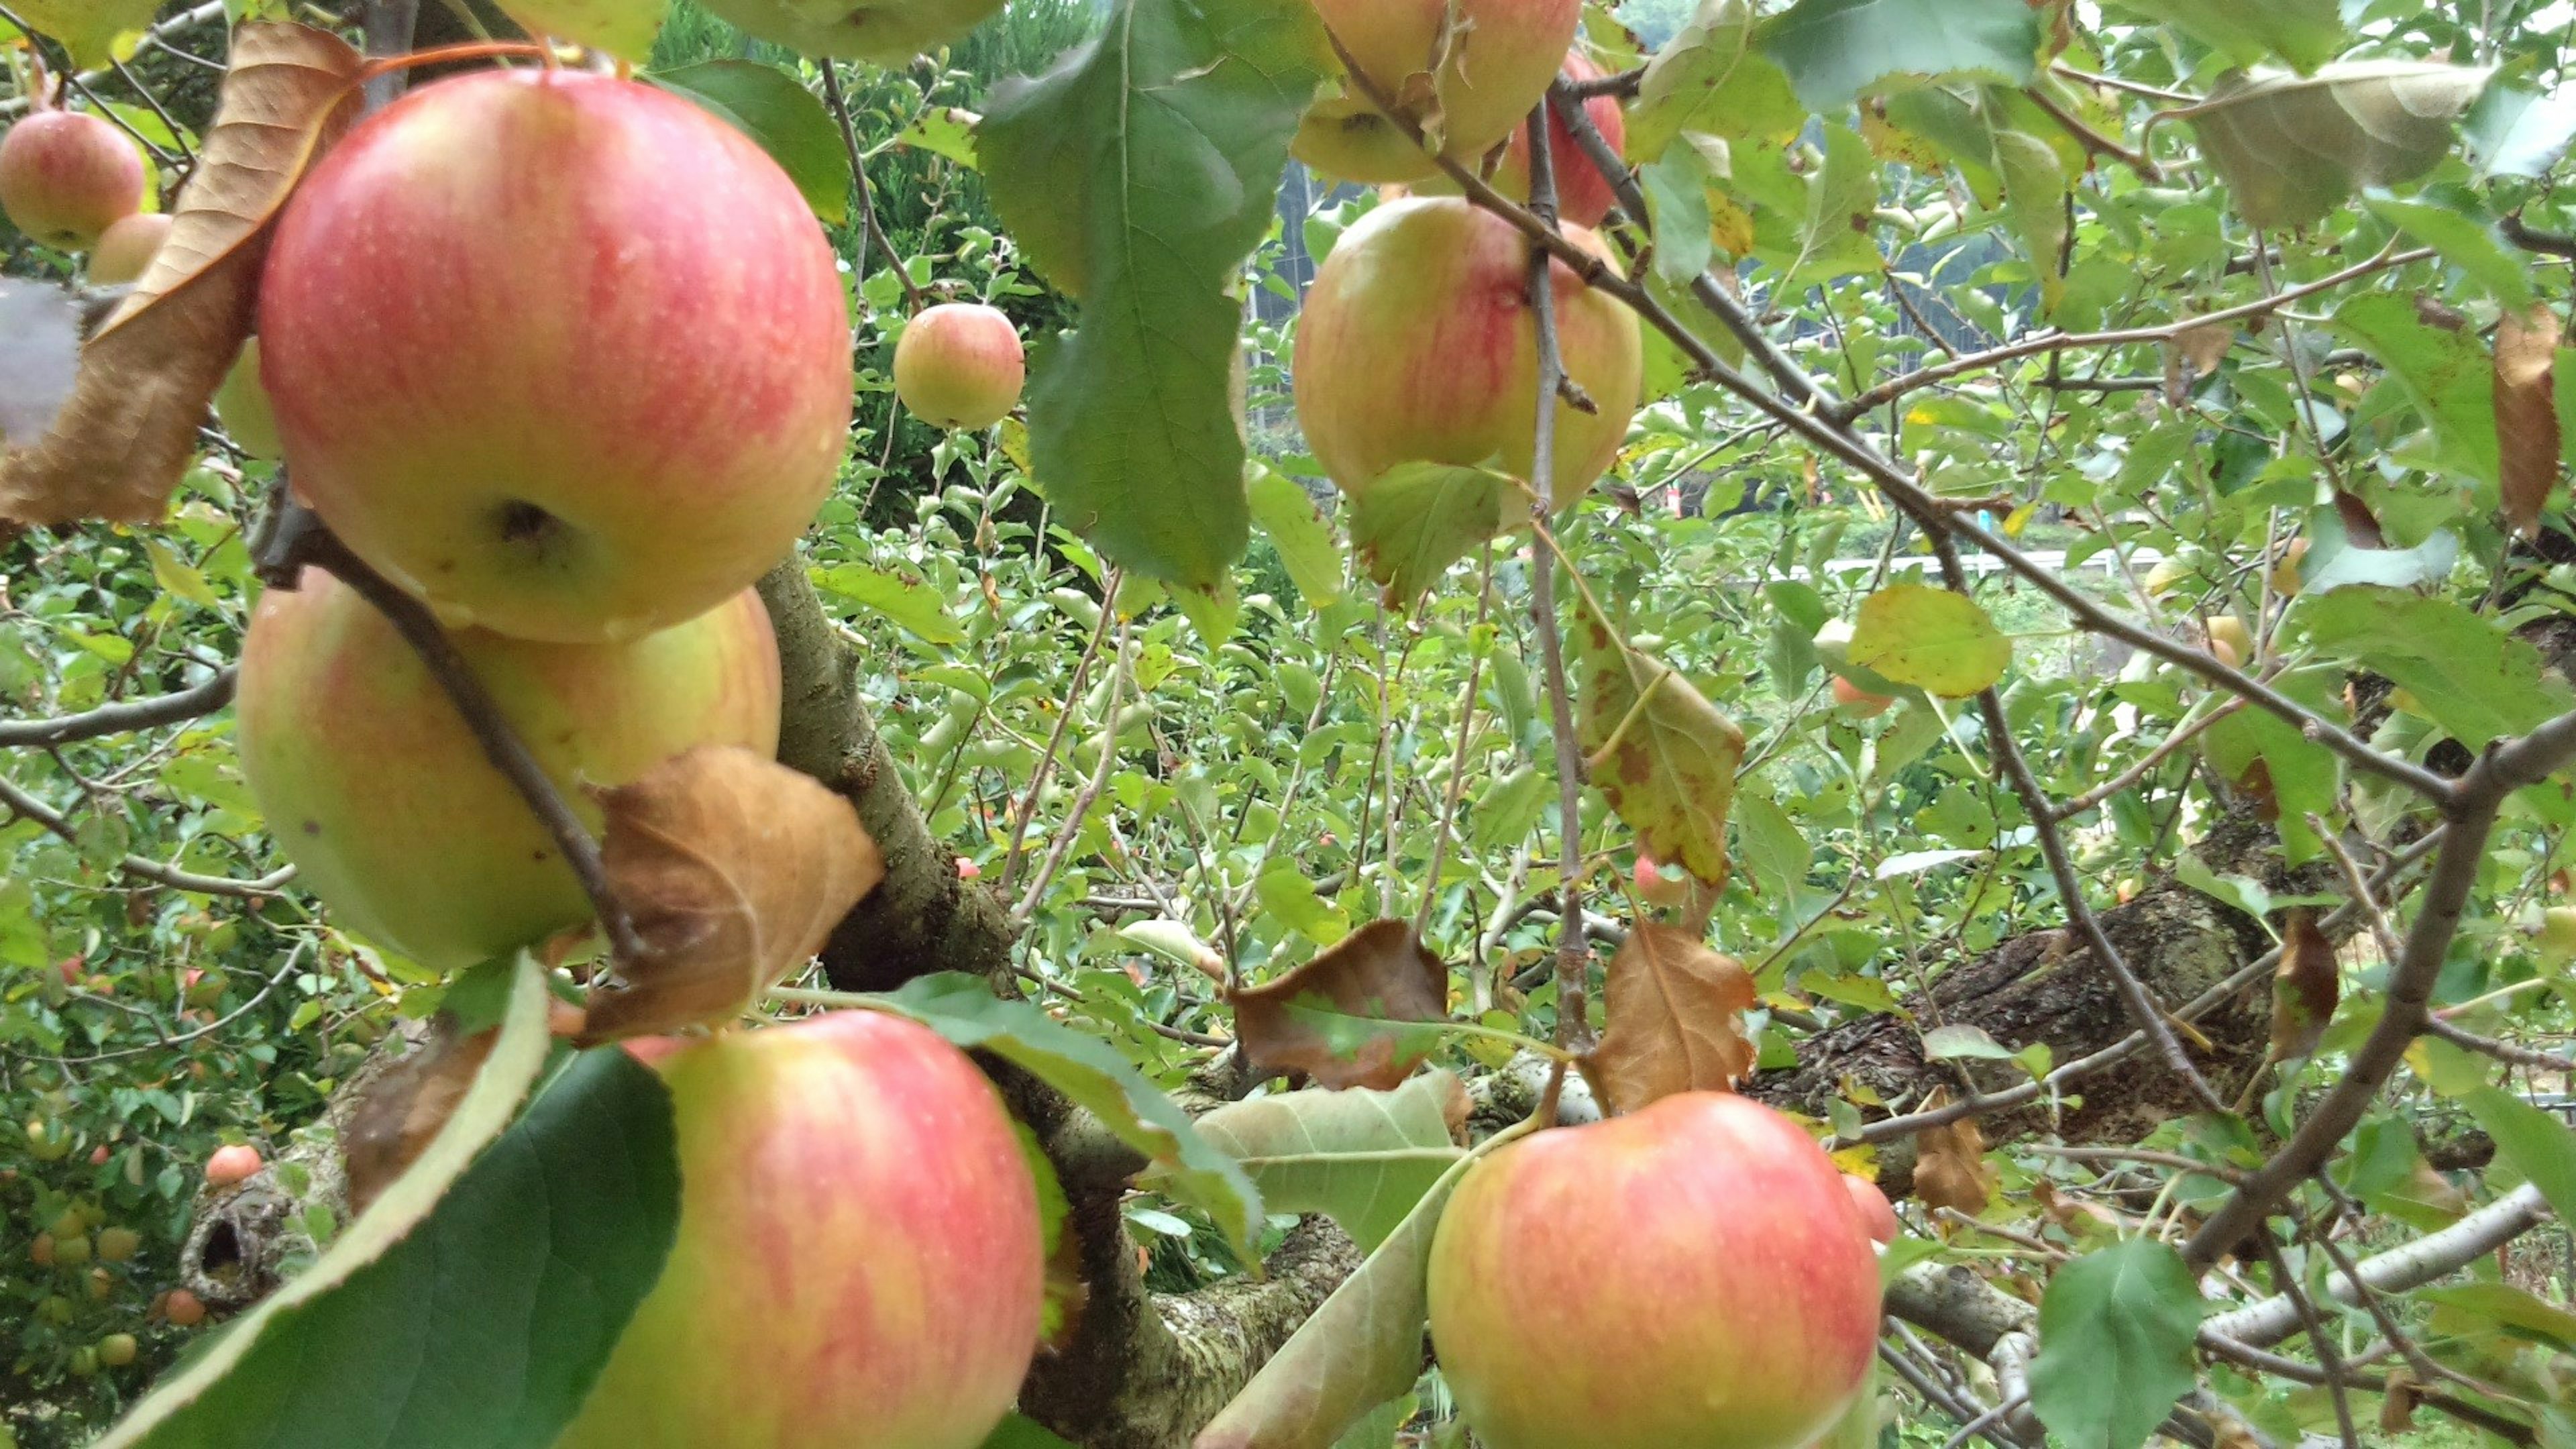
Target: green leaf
column 1187, row 1167
column 1419, row 518
column 1834, row 50
column 2292, row 148
column 2333, row 562
column 24, row 940
column 622, row 28
column 2465, row 242
column 1138, row 175
column 94, row 31
column 2501, row 1308
column 774, row 108
column 1947, row 1043
column 1363, row 1158
column 1710, row 79
column 2448, row 374
column 1017, row 1432
column 1833, row 238
column 1285, row 893
column 2536, row 1144
column 1930, row 638
column 553, row 1236
column 1663, row 755
column 2115, row 1345
column 2514, row 131
column 1301, row 533
column 2474, row 679
column 908, row 602
column 947, row 131
column 2306, row 33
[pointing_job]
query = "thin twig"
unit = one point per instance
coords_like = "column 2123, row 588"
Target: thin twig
column 29, row 807
column 859, row 177
column 1055, row 741
column 1071, row 830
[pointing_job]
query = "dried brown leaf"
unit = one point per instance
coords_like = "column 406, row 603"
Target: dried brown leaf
column 400, row 1111
column 2194, row 354
column 2526, row 412
column 1950, row 1168
column 1676, row 1011
column 2306, row 987
column 120, row 444
column 734, row 870
column 1340, row 1017
column 2360, row 525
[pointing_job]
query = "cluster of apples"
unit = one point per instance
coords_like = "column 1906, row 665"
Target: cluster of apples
column 73, row 181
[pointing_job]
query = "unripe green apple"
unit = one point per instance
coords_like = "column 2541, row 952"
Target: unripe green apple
column 377, row 791
column 959, row 365
column 66, row 176
column 1583, row 195
column 562, row 354
column 859, row 1262
column 117, row 1350
column 242, row 407
column 2230, row 642
column 889, row 32
column 126, row 248
column 1722, row 1295
column 1418, row 344
column 1495, row 59
column 2557, row 935
column 116, row 1245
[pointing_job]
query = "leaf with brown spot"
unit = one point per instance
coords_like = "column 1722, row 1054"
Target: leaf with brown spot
column 1660, row 752
column 1950, row 1168
column 399, row 1113
column 1345, row 1017
column 2306, row 987
column 1676, row 1012
column 120, row 444
column 2526, row 413
column 734, row 870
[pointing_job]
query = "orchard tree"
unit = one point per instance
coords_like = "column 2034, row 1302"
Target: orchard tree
column 1286, row 724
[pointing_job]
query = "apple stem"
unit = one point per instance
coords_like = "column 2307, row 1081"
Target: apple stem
column 444, row 54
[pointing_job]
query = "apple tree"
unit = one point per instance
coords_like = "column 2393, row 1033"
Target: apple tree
column 1286, row 724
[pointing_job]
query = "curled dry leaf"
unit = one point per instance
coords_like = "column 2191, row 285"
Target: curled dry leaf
column 399, row 1112
column 734, row 870
column 1340, row 1017
column 1676, row 1011
column 2526, row 412
column 120, row 444
column 2306, row 987
column 1950, row 1168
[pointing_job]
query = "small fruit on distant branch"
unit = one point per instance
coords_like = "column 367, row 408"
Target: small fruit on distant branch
column 183, row 1308
column 116, row 1350
column 562, row 354
column 889, row 32
column 232, row 1163
column 1857, row 702
column 375, row 788
column 116, row 1245
column 72, row 1250
column 1728, row 1298
column 2230, row 641
column 859, row 1262
column 66, row 176
column 1468, row 69
column 98, row 1155
column 968, row 869
column 1583, row 195
column 41, row 1251
column 1877, row 1214
column 1655, row 888
column 1418, row 344
column 959, row 365
column 127, row 247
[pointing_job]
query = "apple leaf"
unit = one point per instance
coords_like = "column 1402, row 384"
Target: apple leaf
column 1363, row 1158
column 1834, row 50
column 1017, row 1432
column 947, row 131
column 553, row 1235
column 2526, row 413
column 2293, row 148
column 1664, row 757
column 1930, row 638
column 40, row 344
column 734, row 870
column 399, row 1113
column 773, row 108
column 1950, row 1168
column 1343, row 1017
column 1676, row 1012
column 1711, row 80
column 2306, row 986
column 1419, row 518
column 2306, row 33
column 1303, row 536
column 906, row 601
column 2115, row 1345
column 2477, row 681
column 94, row 31
column 1185, row 1166
column 622, row 28
column 2445, row 371
column 129, row 431
column 2339, row 558
column 2516, row 131
column 1138, row 175
column 2533, row 1142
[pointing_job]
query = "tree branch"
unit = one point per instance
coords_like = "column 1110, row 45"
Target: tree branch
column 125, row 718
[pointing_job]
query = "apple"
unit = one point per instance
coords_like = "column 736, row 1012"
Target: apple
column 2230, row 641
column 117, row 1350
column 183, row 1308
column 1418, row 344
column 1583, row 195
column 98, row 1155
column 1853, row 700
column 1727, row 1296
column 116, row 1245
column 126, row 248
column 242, row 407
column 2286, row 580
column 72, row 1250
column 1877, row 1214
column 959, row 365
column 859, row 1261
column 1495, row 59
column 232, row 1163
column 889, row 32
column 376, row 790
column 1655, row 889
column 564, row 355
column 41, row 1249
column 2556, row 938
column 66, row 176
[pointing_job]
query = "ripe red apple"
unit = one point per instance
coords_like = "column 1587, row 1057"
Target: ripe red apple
column 1583, row 195
column 1654, row 889
column 127, row 247
column 889, row 32
column 1877, row 1214
column 377, row 791
column 1418, row 345
column 1853, row 700
column 562, row 354
column 183, row 1308
column 1725, row 1295
column 232, row 1163
column 959, row 365
column 66, row 176
column 859, row 1262
column 241, row 405
column 1495, row 59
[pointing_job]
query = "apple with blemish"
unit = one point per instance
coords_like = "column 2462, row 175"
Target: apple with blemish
column 1725, row 1295
column 2230, row 642
column 67, row 176
column 377, row 791
column 125, row 250
column 960, row 365
column 1418, row 344
column 564, row 355
column 859, row 1261
column 1470, row 68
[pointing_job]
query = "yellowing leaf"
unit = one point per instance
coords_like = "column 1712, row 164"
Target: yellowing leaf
column 1930, row 638
column 1341, row 1018
column 2526, row 412
column 1663, row 755
column 622, row 28
column 1676, row 1012
column 94, row 31
column 1950, row 1163
column 734, row 871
